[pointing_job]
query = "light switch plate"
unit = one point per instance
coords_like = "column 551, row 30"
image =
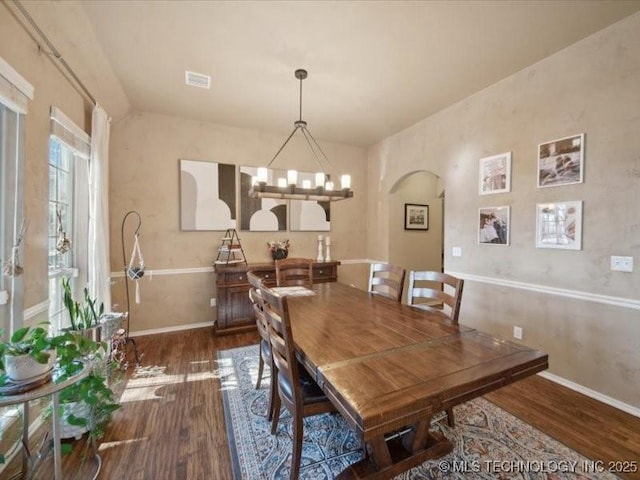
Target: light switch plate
column 456, row 251
column 4, row 297
column 517, row 332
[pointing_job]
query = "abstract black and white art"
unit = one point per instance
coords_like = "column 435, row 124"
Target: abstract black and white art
column 207, row 195
column 261, row 214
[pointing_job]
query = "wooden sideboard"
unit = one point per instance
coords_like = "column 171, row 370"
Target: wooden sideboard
column 235, row 313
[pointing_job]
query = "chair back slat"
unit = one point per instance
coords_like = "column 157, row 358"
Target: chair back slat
column 276, row 310
column 387, row 280
column 451, row 296
column 292, row 272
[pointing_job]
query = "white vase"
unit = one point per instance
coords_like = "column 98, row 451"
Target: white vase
column 24, row 367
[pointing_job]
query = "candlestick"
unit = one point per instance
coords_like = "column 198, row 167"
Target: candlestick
column 327, row 257
column 319, row 259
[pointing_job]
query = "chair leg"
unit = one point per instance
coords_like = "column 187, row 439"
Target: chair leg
column 260, row 370
column 273, row 391
column 450, row 418
column 276, row 415
column 297, row 445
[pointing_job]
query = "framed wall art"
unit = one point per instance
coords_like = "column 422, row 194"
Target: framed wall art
column 207, row 195
column 261, row 214
column 559, row 225
column 309, row 215
column 416, row 217
column 494, row 225
column 561, row 162
column 495, row 174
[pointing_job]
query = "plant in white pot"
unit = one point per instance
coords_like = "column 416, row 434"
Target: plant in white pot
column 29, row 354
column 86, row 405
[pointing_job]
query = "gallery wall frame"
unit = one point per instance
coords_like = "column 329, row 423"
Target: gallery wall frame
column 561, row 161
column 494, row 174
column 207, row 195
column 559, row 225
column 494, row 225
column 416, row 216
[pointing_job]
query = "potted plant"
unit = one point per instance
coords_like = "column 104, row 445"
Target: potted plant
column 278, row 249
column 86, row 405
column 28, row 354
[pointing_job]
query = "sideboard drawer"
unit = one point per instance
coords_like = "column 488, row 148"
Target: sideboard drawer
column 232, row 278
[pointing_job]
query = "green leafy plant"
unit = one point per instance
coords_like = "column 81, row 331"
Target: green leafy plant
column 74, row 350
column 82, row 315
column 33, row 341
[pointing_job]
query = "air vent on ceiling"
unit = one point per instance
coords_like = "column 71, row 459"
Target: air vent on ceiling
column 197, row 79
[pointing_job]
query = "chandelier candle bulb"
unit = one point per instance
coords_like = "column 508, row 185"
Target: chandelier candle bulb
column 345, row 181
column 320, row 179
column 292, row 177
column 262, row 174
column 282, row 182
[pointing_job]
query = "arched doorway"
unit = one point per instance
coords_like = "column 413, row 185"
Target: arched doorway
column 417, row 249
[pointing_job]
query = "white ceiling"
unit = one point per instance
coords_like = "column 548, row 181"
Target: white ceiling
column 375, row 67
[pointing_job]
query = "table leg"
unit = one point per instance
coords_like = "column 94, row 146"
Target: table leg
column 57, row 448
column 388, row 458
column 25, row 439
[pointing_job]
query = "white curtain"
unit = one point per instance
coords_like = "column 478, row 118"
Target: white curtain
column 99, row 265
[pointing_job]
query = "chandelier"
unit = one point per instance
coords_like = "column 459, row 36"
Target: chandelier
column 323, row 189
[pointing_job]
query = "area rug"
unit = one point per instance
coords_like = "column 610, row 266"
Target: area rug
column 488, row 442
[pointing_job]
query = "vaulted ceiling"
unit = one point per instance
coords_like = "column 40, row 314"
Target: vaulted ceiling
column 375, row 67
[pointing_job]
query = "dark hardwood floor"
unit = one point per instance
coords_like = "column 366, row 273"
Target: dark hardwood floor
column 171, row 425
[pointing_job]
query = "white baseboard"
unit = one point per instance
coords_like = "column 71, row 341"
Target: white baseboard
column 176, row 328
column 625, row 407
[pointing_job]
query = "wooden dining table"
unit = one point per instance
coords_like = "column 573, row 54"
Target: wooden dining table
column 388, row 368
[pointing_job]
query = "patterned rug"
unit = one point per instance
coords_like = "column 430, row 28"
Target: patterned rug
column 488, row 442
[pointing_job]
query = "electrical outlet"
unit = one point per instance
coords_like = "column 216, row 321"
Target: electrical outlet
column 621, row 264
column 517, row 332
column 212, row 302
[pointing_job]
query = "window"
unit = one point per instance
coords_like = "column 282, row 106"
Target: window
column 68, row 212
column 15, row 93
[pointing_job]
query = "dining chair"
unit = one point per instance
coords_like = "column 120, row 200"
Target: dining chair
column 423, row 294
column 292, row 272
column 265, row 357
column 387, row 280
column 297, row 390
column 426, row 296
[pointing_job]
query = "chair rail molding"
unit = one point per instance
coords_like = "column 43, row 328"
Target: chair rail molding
column 562, row 292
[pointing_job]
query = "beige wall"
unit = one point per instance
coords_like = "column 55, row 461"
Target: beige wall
column 19, row 49
column 591, row 87
column 145, row 153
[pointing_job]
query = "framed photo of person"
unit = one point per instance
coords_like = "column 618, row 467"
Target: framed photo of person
column 561, row 162
column 416, row 217
column 493, row 225
column 559, row 225
column 495, row 174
